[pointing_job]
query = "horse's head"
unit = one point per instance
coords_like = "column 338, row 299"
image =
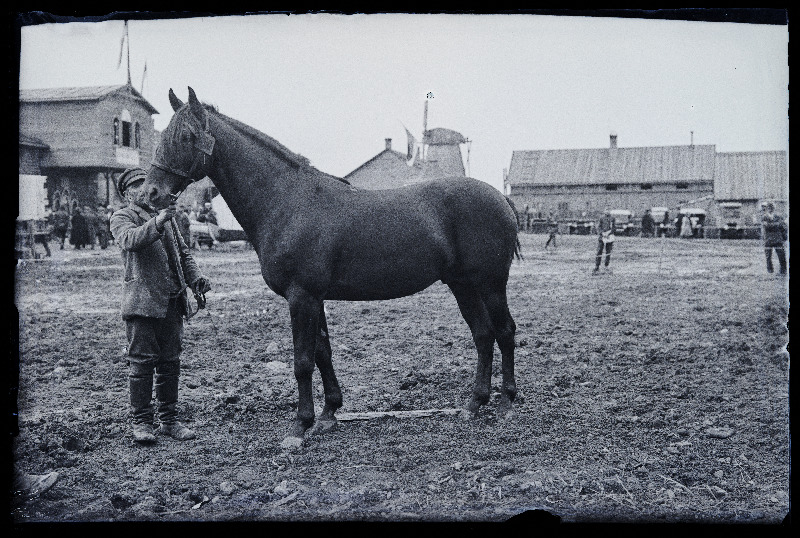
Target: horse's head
column 183, row 154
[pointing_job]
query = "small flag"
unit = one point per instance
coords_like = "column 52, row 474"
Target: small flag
column 122, row 44
column 412, row 147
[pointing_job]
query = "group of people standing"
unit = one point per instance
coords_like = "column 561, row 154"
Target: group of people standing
column 85, row 227
column 774, row 234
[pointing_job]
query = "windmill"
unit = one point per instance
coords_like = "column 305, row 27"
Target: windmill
column 439, row 153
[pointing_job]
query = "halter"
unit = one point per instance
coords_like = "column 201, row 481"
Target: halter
column 204, row 142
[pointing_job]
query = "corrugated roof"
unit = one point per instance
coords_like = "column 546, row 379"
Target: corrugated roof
column 661, row 164
column 81, row 93
column 751, row 175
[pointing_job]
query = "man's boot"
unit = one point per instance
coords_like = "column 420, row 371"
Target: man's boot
column 141, row 394
column 167, row 396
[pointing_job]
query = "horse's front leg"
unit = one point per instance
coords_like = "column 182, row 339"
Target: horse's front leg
column 305, row 311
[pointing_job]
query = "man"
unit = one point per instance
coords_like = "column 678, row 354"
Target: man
column 775, row 234
column 552, row 228
column 207, row 214
column 60, row 220
column 605, row 240
column 79, row 236
column 158, row 269
column 648, row 224
column 101, row 226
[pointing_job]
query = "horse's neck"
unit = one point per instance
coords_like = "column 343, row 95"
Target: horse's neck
column 255, row 180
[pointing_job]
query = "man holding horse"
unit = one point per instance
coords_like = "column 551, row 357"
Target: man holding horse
column 158, row 269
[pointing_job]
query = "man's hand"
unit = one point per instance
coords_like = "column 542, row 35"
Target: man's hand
column 201, row 285
column 164, row 215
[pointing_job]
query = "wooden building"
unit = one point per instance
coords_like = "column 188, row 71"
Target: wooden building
column 91, row 134
column 751, row 179
column 575, row 183
column 438, row 156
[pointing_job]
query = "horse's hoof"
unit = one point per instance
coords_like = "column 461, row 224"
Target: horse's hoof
column 505, row 414
column 291, row 443
column 324, row 426
column 466, row 414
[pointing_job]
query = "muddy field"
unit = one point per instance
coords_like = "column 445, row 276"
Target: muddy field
column 656, row 393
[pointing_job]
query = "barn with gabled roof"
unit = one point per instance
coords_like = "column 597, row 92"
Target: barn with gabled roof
column 571, row 183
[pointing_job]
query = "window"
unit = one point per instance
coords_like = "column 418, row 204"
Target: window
column 116, row 131
column 137, row 136
column 646, row 186
column 126, row 128
column 611, row 187
column 126, row 133
column 682, row 186
column 563, row 207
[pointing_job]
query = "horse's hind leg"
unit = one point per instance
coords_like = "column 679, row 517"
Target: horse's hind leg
column 496, row 301
column 477, row 318
column 333, row 394
column 305, row 312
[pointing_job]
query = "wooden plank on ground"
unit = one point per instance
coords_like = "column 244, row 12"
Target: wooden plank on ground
column 413, row 413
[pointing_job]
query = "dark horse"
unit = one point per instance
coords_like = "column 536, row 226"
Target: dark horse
column 318, row 238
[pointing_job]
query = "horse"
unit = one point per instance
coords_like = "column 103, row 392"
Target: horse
column 318, row 239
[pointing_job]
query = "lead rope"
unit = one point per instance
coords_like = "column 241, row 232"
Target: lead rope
column 199, row 297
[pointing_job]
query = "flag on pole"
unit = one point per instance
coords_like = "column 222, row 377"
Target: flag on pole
column 122, row 44
column 144, row 74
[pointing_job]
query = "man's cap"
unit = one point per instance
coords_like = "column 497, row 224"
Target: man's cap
column 129, row 177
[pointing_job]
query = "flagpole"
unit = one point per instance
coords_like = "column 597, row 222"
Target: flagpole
column 128, row 39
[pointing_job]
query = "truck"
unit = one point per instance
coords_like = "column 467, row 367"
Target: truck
column 731, row 222
column 623, row 221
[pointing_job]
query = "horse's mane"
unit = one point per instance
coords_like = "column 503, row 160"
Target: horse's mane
column 287, row 154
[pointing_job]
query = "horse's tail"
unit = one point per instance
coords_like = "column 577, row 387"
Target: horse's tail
column 517, row 245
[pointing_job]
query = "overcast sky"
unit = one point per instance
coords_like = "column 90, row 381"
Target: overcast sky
column 333, row 87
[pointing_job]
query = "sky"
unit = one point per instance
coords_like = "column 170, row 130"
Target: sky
column 334, row 87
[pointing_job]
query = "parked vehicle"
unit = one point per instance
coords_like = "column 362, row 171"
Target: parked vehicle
column 731, row 225
column 623, row 221
column 581, row 227
column 662, row 229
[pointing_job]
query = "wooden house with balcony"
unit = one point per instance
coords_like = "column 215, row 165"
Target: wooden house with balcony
column 87, row 137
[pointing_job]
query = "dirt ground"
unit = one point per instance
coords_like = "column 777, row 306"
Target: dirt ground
column 656, row 393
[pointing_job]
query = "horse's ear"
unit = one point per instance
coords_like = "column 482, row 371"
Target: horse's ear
column 194, row 104
column 174, row 101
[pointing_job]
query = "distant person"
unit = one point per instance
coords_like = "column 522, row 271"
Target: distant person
column 605, row 240
column 775, row 234
column 552, row 229
column 686, row 227
column 60, row 220
column 101, row 226
column 158, row 268
column 91, row 224
column 207, row 214
column 648, row 224
column 526, row 218
column 79, row 236
column 107, row 218
column 663, row 228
